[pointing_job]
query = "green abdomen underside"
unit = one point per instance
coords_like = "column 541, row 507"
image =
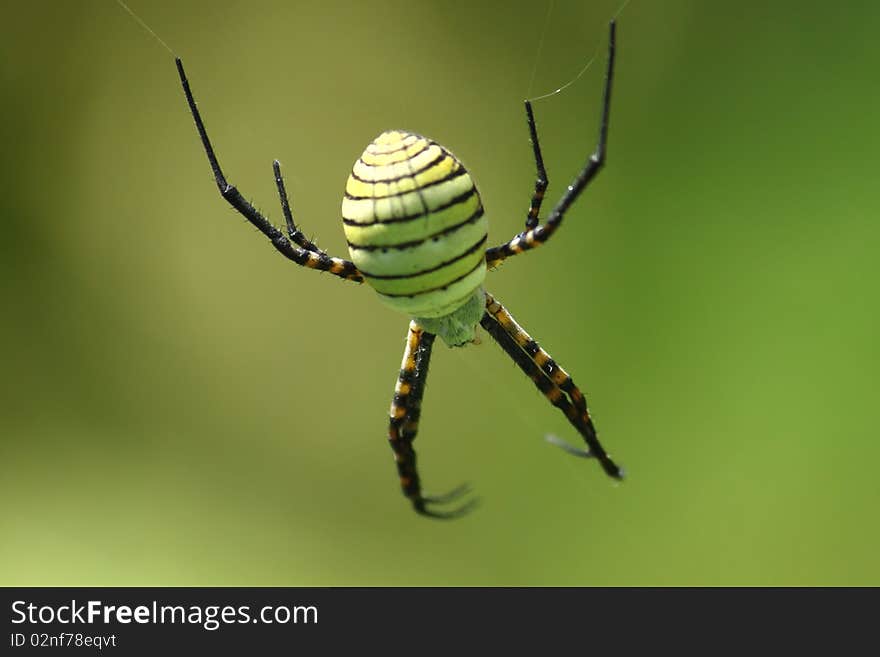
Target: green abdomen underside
column 414, row 224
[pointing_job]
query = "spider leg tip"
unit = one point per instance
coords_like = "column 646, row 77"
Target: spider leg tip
column 421, row 504
column 564, row 446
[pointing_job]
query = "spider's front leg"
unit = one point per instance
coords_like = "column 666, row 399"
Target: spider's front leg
column 549, row 377
column 404, row 424
column 296, row 248
column 535, row 233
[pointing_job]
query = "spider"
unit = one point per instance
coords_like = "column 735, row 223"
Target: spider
column 416, row 232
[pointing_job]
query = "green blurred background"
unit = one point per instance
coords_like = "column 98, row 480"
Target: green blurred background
column 181, row 405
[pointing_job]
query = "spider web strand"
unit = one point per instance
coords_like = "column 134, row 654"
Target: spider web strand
column 145, row 26
column 583, row 70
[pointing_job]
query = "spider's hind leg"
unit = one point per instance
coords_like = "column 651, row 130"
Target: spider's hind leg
column 553, row 381
column 541, row 181
column 537, row 233
column 406, row 407
column 296, row 236
column 294, row 249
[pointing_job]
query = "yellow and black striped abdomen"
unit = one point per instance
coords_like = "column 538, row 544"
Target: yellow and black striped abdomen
column 414, row 224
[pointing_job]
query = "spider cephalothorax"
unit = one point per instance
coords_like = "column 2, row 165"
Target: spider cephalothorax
column 417, row 234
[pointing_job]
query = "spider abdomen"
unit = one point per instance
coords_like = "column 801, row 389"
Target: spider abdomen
column 414, row 225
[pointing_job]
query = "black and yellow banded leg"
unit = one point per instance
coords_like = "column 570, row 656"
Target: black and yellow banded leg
column 293, row 233
column 537, row 234
column 551, row 379
column 541, row 181
column 301, row 256
column 320, row 260
column 403, row 425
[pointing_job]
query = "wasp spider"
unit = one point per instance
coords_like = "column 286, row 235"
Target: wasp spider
column 417, row 234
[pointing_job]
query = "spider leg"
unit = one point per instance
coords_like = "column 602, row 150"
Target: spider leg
column 541, row 180
column 550, row 379
column 404, row 424
column 565, row 447
column 294, row 234
column 295, row 252
column 536, row 234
